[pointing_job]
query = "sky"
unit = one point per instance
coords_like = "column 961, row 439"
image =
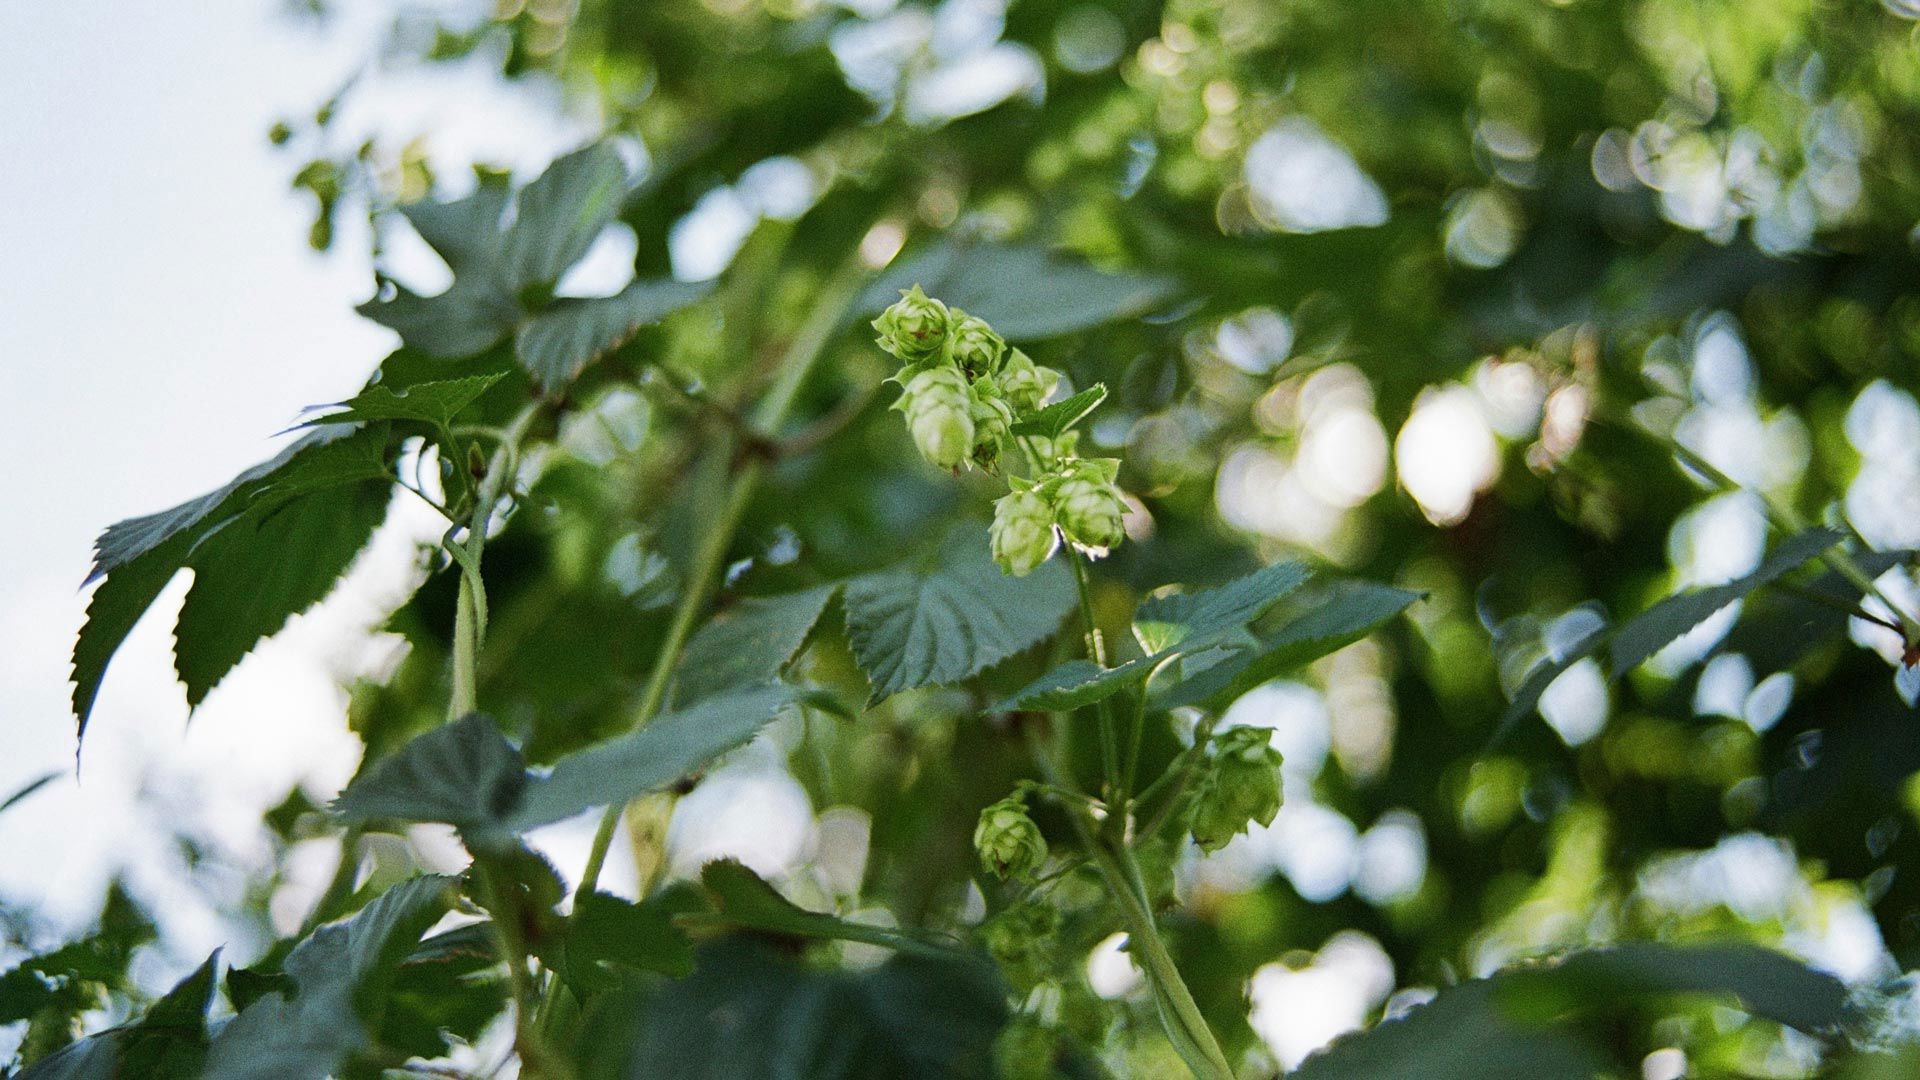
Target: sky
column 161, row 316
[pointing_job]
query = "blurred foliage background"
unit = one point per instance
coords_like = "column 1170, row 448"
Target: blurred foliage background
column 1424, row 293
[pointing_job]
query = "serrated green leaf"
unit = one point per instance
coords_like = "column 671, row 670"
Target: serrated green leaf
column 263, row 547
column 924, row 627
column 570, row 333
column 470, row 317
column 1058, row 418
column 743, row 900
column 340, row 977
column 750, row 643
column 669, row 748
column 1024, row 292
column 26, row 790
column 1637, row 639
column 435, row 403
column 559, row 215
column 1336, row 617
column 1163, row 622
column 1525, row 1023
column 1076, row 684
column 465, row 774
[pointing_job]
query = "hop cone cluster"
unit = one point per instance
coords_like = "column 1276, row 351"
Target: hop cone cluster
column 1008, row 841
column 964, row 391
column 1242, row 788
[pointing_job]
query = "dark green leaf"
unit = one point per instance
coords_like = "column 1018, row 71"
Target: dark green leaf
column 1341, row 614
column 750, row 643
column 749, row 1011
column 1024, row 292
column 1647, row 633
column 669, row 748
column 742, row 900
column 264, row 547
column 911, row 627
column 570, row 333
column 1163, row 622
column 465, row 774
column 27, row 789
column 340, row 980
column 1077, row 683
column 1058, row 418
column 434, row 403
column 168, row 1043
column 606, row 934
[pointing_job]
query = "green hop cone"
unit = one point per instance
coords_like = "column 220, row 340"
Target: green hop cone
column 972, row 346
column 939, row 413
column 1088, row 505
column 1008, row 841
column 992, row 422
column 914, row 328
column 1020, row 940
column 1022, row 532
column 1243, row 788
column 1025, row 383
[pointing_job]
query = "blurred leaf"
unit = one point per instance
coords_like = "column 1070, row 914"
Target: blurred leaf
column 27, row 790
column 263, row 547
column 560, row 214
column 465, row 774
column 435, row 403
column 1058, row 418
column 1341, row 614
column 466, row 232
column 750, row 643
column 71, row 977
column 570, row 333
column 742, row 900
column 340, row 977
column 1024, row 292
column 938, row 624
column 1647, row 633
column 749, row 1012
column 169, row 1042
column 606, row 934
column 1523, row 1023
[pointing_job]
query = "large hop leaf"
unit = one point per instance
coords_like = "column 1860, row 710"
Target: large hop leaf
column 504, row 276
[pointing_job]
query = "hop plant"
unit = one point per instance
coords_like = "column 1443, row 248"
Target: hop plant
column 915, row 328
column 1026, row 1050
column 939, row 408
column 1008, row 841
column 1088, row 505
column 972, row 346
column 1242, row 789
column 1025, row 383
column 992, row 422
column 1022, row 533
column 1020, row 940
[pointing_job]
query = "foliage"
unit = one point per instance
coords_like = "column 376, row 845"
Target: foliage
column 1629, row 284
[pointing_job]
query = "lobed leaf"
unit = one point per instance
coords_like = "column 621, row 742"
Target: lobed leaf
column 435, row 403
column 743, row 900
column 922, row 627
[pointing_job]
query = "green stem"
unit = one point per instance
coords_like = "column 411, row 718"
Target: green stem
column 511, row 943
column 1096, row 651
column 801, row 355
column 1180, row 1015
